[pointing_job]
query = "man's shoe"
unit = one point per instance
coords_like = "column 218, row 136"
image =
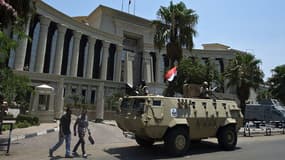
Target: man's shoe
column 75, row 154
column 84, row 155
column 68, row 156
column 50, row 153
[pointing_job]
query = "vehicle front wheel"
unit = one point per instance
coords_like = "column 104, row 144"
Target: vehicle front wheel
column 177, row 141
column 227, row 138
column 144, row 142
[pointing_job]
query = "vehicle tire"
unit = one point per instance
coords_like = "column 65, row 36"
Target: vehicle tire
column 144, row 142
column 177, row 141
column 227, row 138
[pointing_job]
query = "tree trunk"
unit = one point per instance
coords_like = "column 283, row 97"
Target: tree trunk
column 174, row 52
column 242, row 105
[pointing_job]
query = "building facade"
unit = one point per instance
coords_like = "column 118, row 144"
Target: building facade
column 95, row 56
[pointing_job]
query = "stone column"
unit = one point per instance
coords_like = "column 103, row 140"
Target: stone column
column 129, row 68
column 118, row 69
column 157, row 67
column 75, row 53
column 59, row 103
column 21, row 49
column 103, row 73
column 90, row 59
column 147, row 67
column 100, row 102
column 59, row 49
column 41, row 49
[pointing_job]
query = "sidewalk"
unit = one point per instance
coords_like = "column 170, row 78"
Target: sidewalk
column 43, row 128
column 22, row 133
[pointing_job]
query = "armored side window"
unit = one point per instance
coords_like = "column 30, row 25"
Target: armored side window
column 156, row 103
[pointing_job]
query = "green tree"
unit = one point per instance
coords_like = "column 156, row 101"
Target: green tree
column 277, row 83
column 75, row 98
column 13, row 17
column 175, row 29
column 193, row 71
column 244, row 73
column 263, row 94
column 14, row 87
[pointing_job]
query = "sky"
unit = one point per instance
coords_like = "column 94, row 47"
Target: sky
column 255, row 26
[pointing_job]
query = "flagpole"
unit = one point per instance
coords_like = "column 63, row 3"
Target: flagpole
column 129, row 6
column 134, row 7
column 122, row 8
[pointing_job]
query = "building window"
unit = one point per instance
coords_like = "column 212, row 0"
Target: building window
column 83, row 94
column 73, row 90
column 93, row 97
column 43, row 102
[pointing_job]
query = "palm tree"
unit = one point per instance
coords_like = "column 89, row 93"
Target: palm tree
column 175, row 29
column 277, row 83
column 244, row 73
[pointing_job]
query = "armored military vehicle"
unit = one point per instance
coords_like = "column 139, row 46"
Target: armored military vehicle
column 177, row 121
column 270, row 110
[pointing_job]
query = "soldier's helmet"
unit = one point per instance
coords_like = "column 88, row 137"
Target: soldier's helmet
column 143, row 83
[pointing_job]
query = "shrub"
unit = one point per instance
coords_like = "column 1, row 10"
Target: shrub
column 23, row 124
column 36, row 121
column 28, row 118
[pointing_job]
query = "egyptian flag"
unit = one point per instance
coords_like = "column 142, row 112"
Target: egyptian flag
column 170, row 74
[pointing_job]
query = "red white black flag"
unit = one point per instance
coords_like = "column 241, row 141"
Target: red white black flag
column 170, row 74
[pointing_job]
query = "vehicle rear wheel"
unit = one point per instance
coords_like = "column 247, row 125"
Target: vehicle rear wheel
column 144, row 142
column 227, row 138
column 177, row 141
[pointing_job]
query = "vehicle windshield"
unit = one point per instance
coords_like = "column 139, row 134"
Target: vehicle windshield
column 133, row 104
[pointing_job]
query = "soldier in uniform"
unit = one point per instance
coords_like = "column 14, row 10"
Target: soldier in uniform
column 204, row 90
column 143, row 88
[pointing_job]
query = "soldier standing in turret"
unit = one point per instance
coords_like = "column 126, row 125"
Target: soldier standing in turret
column 204, row 90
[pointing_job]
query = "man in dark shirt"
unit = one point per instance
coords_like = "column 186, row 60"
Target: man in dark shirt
column 81, row 124
column 64, row 134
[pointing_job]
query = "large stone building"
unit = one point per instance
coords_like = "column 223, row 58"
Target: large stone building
column 94, row 56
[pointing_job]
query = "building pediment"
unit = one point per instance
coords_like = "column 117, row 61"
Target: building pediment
column 119, row 23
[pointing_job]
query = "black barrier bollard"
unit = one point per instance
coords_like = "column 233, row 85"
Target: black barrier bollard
column 268, row 131
column 246, row 128
column 283, row 126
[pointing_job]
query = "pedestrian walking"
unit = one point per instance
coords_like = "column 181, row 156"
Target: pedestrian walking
column 81, row 125
column 64, row 134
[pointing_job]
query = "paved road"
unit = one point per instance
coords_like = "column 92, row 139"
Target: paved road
column 111, row 145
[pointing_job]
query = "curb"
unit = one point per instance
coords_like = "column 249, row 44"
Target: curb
column 260, row 132
column 31, row 135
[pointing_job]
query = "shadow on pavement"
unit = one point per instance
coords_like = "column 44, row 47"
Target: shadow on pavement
column 159, row 152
